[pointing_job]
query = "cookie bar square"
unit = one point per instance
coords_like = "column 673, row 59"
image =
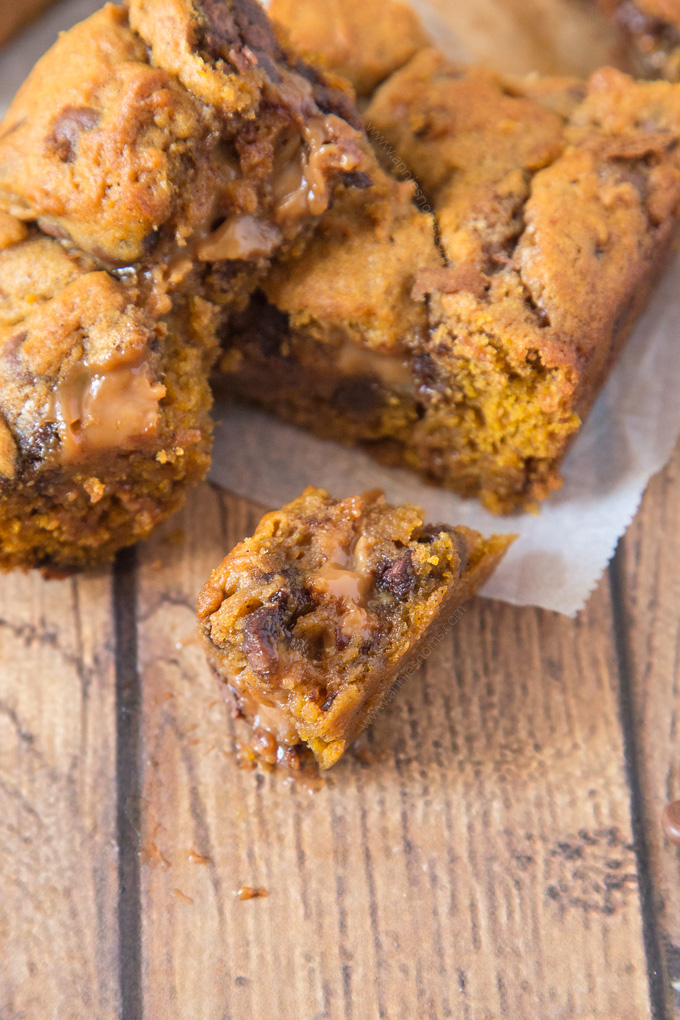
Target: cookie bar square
column 104, row 407
column 177, row 138
column 556, row 206
column 311, row 621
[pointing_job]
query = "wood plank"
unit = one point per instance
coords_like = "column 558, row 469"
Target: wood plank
column 58, row 870
column 649, row 579
column 471, row 858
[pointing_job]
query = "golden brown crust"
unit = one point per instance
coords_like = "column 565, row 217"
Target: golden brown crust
column 312, row 620
column 363, row 40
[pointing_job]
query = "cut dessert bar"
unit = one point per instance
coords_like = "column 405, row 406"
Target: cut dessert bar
column 363, row 40
column 151, row 164
column 104, row 407
column 310, row 622
column 556, row 204
column 177, row 132
column 336, row 327
column 653, row 29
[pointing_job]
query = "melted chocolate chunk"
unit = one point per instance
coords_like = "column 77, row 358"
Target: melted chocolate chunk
column 358, row 179
column 262, row 631
column 40, row 442
column 67, row 129
column 262, row 326
column 328, row 98
column 328, row 702
column 398, row 578
column 358, row 396
column 425, row 370
column 295, row 600
column 240, row 32
column 268, row 627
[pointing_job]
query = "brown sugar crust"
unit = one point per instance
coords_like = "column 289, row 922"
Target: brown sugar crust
column 311, row 621
column 556, row 203
column 363, row 40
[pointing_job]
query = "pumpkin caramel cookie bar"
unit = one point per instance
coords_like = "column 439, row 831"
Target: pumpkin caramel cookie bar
column 150, row 166
column 174, row 137
column 546, row 210
column 104, row 406
column 311, row 621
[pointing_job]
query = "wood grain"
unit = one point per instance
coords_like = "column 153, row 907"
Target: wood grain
column 649, row 583
column 58, row 855
column 472, row 858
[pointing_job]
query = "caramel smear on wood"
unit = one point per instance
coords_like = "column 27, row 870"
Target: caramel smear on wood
column 670, row 822
column 247, row 892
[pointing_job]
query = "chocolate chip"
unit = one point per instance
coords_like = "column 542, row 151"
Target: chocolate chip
column 67, row 129
column 425, row 370
column 328, row 702
column 241, row 33
column 341, row 639
column 358, row 180
column 295, row 600
column 41, row 441
column 398, row 578
column 150, row 241
column 358, row 396
column 262, row 631
column 261, row 326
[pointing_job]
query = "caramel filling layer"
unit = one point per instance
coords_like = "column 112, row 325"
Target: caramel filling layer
column 243, row 237
column 390, row 369
column 102, row 408
column 346, row 576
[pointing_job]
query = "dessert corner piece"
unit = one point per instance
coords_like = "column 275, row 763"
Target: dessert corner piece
column 311, row 621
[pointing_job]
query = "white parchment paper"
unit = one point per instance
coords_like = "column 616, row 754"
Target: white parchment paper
column 561, row 553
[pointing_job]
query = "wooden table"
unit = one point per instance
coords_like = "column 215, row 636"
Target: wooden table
column 491, row 849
